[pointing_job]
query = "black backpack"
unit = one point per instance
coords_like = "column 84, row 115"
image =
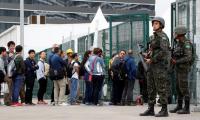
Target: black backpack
column 82, row 70
column 70, row 69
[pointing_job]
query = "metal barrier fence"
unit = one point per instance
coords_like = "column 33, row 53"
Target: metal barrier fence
column 184, row 13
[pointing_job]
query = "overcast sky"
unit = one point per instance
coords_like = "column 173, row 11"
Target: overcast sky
column 163, row 9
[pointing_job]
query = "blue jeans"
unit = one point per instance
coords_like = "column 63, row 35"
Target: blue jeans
column 17, row 84
column 73, row 90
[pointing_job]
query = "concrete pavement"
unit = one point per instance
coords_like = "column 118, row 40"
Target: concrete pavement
column 82, row 112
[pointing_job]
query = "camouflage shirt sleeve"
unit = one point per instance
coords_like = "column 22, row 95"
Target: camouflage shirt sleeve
column 187, row 56
column 162, row 53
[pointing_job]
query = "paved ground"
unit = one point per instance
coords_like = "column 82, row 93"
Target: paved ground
column 84, row 113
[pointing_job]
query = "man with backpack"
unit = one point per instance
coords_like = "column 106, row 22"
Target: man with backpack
column 50, row 55
column 57, row 74
column 18, row 75
column 183, row 57
column 2, row 67
column 118, row 68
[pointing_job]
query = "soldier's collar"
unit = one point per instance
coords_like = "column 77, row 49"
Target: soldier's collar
column 159, row 33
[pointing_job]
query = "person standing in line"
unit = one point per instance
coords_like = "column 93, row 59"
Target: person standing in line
column 69, row 53
column 127, row 96
column 118, row 68
column 42, row 78
column 110, row 73
column 58, row 66
column 9, row 81
column 88, row 84
column 74, row 80
column 18, row 76
column 30, row 76
column 50, row 55
column 96, row 67
column 2, row 67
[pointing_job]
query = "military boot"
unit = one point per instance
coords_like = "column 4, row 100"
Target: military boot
column 186, row 109
column 163, row 112
column 149, row 111
column 178, row 107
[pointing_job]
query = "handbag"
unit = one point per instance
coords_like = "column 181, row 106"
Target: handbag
column 90, row 75
column 2, row 76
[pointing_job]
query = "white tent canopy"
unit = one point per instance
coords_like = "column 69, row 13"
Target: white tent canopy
column 98, row 23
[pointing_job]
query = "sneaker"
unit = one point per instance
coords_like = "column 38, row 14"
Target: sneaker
column 75, row 103
column 43, row 102
column 16, row 104
column 87, row 103
column 40, row 102
column 31, row 104
column 20, row 104
column 53, row 103
column 63, row 104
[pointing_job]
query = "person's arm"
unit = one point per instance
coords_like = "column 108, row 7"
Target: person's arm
column 87, row 68
column 2, row 68
column 62, row 61
column 40, row 71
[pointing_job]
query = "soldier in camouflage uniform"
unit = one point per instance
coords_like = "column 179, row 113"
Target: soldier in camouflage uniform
column 157, row 75
column 182, row 61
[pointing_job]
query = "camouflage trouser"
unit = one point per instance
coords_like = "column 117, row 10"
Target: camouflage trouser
column 157, row 83
column 182, row 84
column 169, row 90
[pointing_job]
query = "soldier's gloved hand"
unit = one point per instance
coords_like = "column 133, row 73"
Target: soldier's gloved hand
column 144, row 54
column 148, row 61
column 173, row 61
column 10, row 54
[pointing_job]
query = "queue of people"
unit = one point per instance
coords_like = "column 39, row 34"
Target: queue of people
column 65, row 71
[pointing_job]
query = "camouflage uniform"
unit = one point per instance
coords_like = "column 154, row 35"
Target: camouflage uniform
column 157, row 75
column 157, row 80
column 182, row 58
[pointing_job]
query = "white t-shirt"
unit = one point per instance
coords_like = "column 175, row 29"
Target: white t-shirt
column 75, row 74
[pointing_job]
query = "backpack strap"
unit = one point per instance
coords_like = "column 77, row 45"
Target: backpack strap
column 43, row 65
column 93, row 65
column 73, row 67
